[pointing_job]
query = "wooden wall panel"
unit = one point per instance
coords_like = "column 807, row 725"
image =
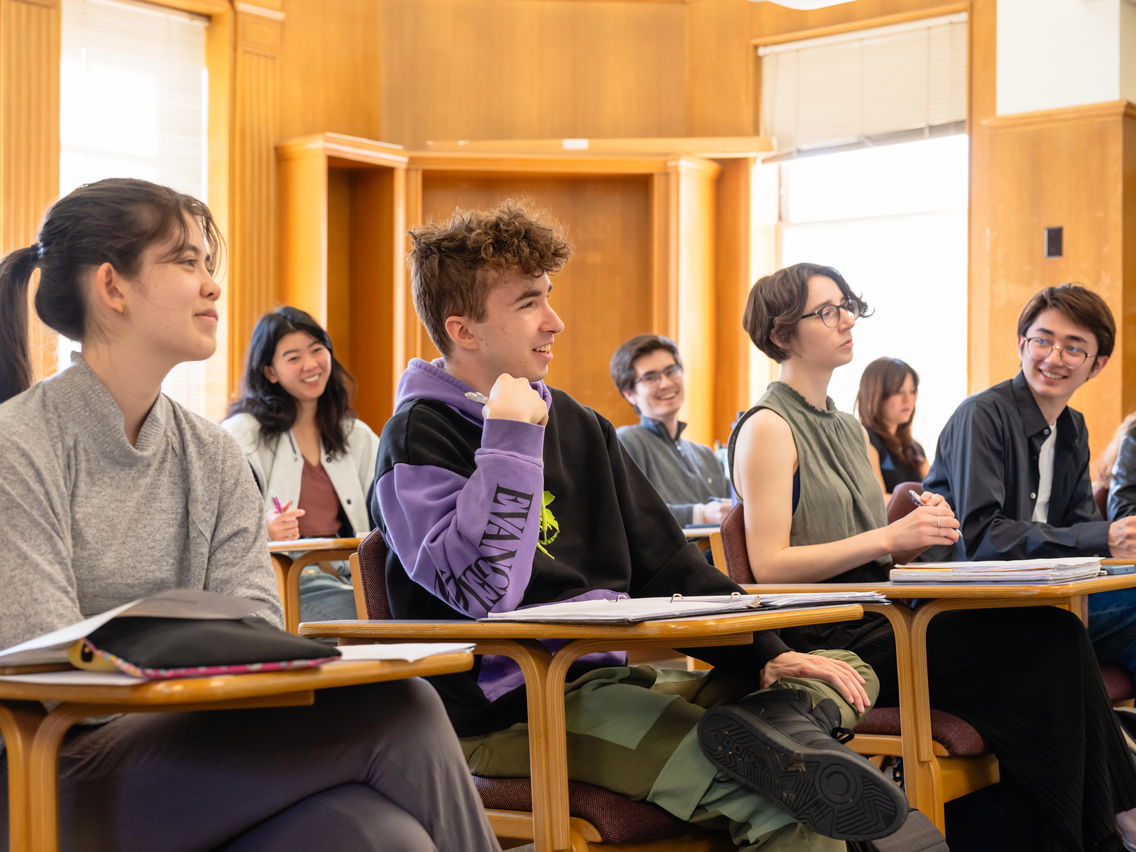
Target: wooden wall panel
column 500, row 69
column 731, row 347
column 29, row 138
column 697, row 305
column 1059, row 168
column 252, row 231
column 604, row 293
column 329, row 68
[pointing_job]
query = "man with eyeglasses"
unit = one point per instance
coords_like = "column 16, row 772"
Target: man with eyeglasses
column 691, row 480
column 1013, row 460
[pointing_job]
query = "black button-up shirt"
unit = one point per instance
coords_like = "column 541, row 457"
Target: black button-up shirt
column 986, row 465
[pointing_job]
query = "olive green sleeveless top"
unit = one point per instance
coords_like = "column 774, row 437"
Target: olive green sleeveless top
column 839, row 495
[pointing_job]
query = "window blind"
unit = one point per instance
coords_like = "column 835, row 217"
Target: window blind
column 868, row 87
column 134, row 103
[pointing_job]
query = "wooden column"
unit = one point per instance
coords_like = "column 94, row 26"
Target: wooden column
column 29, row 136
column 1071, row 168
column 252, row 203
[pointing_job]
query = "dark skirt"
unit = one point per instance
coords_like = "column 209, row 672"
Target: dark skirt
column 1028, row 681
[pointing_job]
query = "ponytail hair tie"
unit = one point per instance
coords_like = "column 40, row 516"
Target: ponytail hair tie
column 38, row 249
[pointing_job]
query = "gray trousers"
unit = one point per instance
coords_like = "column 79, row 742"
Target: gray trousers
column 633, row 730
column 373, row 767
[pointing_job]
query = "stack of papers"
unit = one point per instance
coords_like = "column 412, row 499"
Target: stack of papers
column 1035, row 571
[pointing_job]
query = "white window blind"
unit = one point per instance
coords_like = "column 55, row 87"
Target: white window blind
column 134, row 103
column 871, row 86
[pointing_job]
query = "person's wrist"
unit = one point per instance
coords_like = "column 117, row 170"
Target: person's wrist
column 698, row 514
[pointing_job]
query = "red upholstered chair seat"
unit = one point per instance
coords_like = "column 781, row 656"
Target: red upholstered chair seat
column 618, row 820
column 955, row 735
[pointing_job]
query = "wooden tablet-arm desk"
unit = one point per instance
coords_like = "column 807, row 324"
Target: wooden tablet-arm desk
column 545, row 673
column 290, row 558
column 33, row 734
column 911, row 626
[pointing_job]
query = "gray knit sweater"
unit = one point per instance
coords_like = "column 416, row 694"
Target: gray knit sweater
column 683, row 472
column 88, row 522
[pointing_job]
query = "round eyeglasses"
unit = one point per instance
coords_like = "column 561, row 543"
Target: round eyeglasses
column 830, row 314
column 673, row 371
column 1071, row 356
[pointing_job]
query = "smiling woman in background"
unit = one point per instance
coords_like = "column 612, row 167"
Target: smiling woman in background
column 886, row 405
column 313, row 459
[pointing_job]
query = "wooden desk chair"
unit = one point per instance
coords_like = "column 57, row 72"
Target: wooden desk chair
column 600, row 819
column 963, row 762
column 1117, row 680
column 289, row 559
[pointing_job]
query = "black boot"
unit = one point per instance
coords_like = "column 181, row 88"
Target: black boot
column 775, row 743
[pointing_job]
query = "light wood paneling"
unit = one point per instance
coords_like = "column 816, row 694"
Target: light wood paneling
column 1059, row 168
column 256, row 103
column 732, row 282
column 501, row 69
column 329, row 68
column 29, row 138
column 983, row 85
column 695, row 297
column 342, row 255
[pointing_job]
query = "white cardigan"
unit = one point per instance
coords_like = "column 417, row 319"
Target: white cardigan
column 279, row 465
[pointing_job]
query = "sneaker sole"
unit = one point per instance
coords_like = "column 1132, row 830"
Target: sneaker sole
column 835, row 793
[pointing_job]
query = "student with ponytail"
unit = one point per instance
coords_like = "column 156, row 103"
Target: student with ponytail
column 111, row 491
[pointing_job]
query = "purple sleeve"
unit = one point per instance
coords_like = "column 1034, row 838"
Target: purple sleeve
column 470, row 541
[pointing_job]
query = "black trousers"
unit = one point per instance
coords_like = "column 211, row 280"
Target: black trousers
column 1028, row 681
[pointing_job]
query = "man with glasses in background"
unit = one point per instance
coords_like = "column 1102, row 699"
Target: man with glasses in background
column 1013, row 460
column 647, row 370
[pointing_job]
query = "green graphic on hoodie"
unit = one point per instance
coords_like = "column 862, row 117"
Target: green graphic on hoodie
column 549, row 527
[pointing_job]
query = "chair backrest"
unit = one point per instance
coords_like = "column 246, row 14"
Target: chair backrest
column 1100, row 497
column 372, row 577
column 734, row 546
column 901, row 503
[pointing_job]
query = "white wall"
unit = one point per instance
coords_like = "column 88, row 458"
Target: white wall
column 1062, row 53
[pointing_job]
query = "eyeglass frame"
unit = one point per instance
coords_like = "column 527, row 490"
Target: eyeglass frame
column 1053, row 344
column 853, row 307
column 653, row 377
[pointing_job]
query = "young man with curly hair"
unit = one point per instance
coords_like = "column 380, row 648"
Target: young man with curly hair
column 495, row 491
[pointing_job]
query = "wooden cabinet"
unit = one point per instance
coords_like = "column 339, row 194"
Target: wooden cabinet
column 644, row 230
column 342, row 257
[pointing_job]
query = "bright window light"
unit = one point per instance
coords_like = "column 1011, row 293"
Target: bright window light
column 133, row 103
column 893, row 221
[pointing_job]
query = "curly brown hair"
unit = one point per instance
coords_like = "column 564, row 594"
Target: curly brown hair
column 453, row 266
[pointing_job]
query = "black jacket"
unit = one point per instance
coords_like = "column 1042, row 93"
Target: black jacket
column 986, row 465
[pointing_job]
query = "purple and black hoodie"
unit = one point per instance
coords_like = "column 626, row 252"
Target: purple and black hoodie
column 493, row 515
